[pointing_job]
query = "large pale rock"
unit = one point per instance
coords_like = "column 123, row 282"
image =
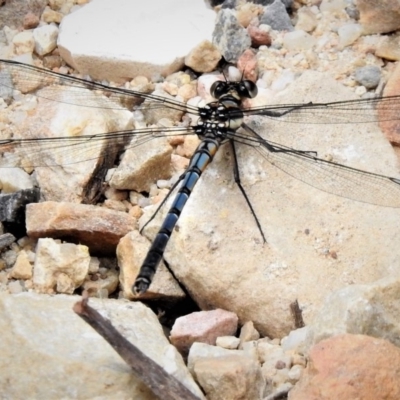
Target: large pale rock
column 98, row 228
column 60, row 267
column 316, row 242
column 48, row 352
column 372, row 310
column 160, row 35
column 350, row 367
column 73, row 172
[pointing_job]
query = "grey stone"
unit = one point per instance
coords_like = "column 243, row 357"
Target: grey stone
column 229, row 36
column 276, row 16
column 368, row 76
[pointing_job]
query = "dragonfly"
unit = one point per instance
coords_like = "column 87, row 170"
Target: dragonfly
column 220, row 122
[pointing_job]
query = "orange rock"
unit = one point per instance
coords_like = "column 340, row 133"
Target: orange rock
column 350, row 367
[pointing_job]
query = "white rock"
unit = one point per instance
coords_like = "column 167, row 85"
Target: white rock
column 295, row 340
column 228, row 342
column 295, row 373
column 43, row 332
column 349, row 33
column 159, row 36
column 23, row 42
column 61, row 267
column 14, row 179
column 298, row 40
column 45, row 39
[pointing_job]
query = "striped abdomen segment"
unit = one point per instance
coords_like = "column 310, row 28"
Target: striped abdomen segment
column 204, row 154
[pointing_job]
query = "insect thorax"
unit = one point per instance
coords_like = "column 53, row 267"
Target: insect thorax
column 219, row 119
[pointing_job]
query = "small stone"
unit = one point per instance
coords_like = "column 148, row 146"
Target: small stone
column 228, row 342
column 202, row 326
column 296, row 339
column 259, row 36
column 103, row 287
column 276, row 16
column 298, row 40
column 115, row 205
column 368, row 76
column 229, row 36
column 295, row 373
column 306, row 20
column 248, row 333
column 349, row 33
column 15, row 287
column 14, row 179
column 230, row 377
column 22, row 268
column 30, row 21
column 23, row 42
column 45, row 39
column 204, row 57
column 247, row 63
column 50, row 16
column 61, row 267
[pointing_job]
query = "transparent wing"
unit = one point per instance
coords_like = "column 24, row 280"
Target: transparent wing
column 339, row 112
column 28, row 153
column 330, row 177
column 27, row 79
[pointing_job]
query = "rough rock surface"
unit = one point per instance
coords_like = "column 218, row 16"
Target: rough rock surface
column 202, row 326
column 300, row 222
column 371, row 309
column 351, row 367
column 98, row 228
column 49, row 352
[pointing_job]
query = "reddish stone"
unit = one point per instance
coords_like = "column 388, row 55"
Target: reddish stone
column 98, row 228
column 350, row 367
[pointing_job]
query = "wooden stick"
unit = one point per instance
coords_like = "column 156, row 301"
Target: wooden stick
column 162, row 384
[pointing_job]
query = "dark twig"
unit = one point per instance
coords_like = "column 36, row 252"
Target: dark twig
column 297, row 314
column 163, row 385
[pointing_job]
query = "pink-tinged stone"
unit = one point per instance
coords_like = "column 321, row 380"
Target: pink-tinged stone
column 350, row 367
column 98, row 228
column 258, row 36
column 247, row 63
column 202, row 326
column 387, row 112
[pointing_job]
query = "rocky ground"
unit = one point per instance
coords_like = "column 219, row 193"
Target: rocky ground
column 330, row 263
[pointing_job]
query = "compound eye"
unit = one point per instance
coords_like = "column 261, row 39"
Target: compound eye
column 218, row 88
column 248, row 89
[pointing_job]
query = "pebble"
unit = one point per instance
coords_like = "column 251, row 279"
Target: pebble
column 368, row 76
column 45, row 38
column 276, row 16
